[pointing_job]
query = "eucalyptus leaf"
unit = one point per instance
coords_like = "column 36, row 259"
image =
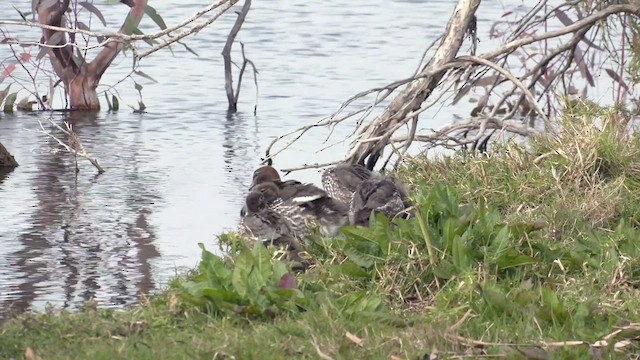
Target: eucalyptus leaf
column 94, row 10
column 153, row 14
column 53, row 40
column 116, row 103
column 144, row 75
column 188, row 48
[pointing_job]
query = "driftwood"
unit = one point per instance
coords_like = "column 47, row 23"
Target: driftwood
column 6, row 159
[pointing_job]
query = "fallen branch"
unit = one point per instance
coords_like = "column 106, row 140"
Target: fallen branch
column 74, row 145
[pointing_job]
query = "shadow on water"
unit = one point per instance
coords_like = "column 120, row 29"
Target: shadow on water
column 84, row 240
column 5, row 172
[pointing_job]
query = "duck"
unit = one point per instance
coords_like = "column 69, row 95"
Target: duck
column 300, row 205
column 268, row 174
column 378, row 194
column 342, row 180
column 272, row 230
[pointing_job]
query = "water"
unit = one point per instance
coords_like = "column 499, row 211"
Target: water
column 177, row 174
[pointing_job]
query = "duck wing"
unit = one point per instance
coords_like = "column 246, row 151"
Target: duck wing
column 379, row 195
column 301, row 193
column 346, row 176
column 265, row 225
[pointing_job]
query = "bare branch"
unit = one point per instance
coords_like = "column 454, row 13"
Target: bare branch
column 74, row 147
column 226, row 5
column 226, row 55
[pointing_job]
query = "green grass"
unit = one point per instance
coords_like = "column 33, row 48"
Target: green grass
column 531, row 251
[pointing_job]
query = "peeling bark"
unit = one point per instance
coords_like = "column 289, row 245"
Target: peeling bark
column 6, row 159
column 81, row 78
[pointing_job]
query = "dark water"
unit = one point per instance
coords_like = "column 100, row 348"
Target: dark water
column 176, row 175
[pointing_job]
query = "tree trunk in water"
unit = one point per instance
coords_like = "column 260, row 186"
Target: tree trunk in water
column 80, row 77
column 6, row 160
column 82, row 92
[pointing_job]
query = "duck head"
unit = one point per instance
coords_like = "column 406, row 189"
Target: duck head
column 263, row 174
column 261, row 195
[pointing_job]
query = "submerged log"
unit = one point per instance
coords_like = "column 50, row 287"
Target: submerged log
column 6, row 160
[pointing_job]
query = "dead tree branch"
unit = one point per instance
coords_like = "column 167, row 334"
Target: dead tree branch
column 411, row 98
column 226, row 55
column 74, row 146
column 531, row 86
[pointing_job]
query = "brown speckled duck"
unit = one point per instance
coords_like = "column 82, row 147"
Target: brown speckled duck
column 365, row 191
column 298, row 205
column 341, row 181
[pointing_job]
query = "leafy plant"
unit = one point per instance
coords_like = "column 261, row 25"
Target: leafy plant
column 253, row 284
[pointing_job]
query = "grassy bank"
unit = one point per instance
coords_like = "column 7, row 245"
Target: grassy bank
column 528, row 252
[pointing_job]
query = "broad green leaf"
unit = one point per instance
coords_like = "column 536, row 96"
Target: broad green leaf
column 496, row 299
column 444, row 270
column 460, row 253
column 351, row 269
column 500, row 242
column 513, row 260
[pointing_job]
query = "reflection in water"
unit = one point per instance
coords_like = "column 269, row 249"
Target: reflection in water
column 73, row 244
column 240, row 145
column 4, row 172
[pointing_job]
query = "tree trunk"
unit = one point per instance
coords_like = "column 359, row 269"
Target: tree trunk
column 6, row 160
column 81, row 78
column 82, row 92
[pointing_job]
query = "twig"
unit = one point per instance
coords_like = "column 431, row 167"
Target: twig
column 246, row 61
column 74, row 148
